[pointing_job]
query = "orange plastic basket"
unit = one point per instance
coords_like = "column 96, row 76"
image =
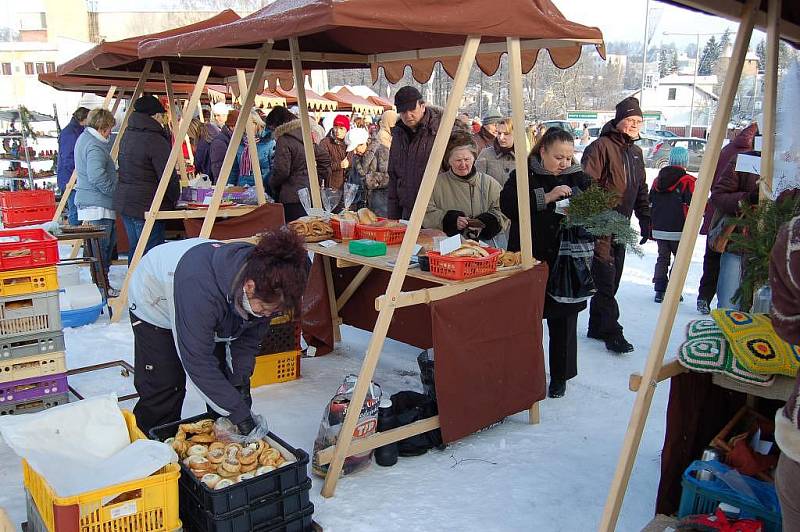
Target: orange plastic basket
column 392, row 236
column 460, row 268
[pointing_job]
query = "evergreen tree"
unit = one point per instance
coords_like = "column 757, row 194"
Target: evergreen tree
column 761, row 52
column 673, row 61
column 709, row 57
column 725, row 40
column 663, row 63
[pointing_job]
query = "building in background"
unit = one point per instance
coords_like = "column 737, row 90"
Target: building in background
column 672, row 95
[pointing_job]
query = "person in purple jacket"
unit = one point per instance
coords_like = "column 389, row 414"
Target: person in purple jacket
column 66, row 157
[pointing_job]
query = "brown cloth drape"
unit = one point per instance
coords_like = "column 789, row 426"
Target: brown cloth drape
column 263, row 218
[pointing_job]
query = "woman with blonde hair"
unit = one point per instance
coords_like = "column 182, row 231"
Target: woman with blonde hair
column 200, row 136
column 97, row 180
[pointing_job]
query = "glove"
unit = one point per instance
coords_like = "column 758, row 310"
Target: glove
column 646, row 230
column 247, row 425
column 251, row 428
column 244, row 392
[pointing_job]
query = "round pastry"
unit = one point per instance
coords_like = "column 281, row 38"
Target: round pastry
column 244, row 476
column 169, row 441
column 247, row 456
column 230, row 446
column 210, row 479
column 366, row 216
column 180, row 436
column 221, row 471
column 197, row 450
column 202, row 438
column 181, row 447
column 224, row 483
column 285, row 463
column 217, row 445
column 263, row 470
column 269, row 456
column 279, row 462
column 232, row 466
column 194, row 459
column 216, row 456
column 258, row 446
column 249, row 467
column 204, row 425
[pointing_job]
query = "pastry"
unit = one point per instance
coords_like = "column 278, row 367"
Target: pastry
column 285, row 463
column 217, row 445
column 230, row 446
column 216, row 456
column 244, row 476
column 366, row 216
column 250, row 467
column 224, row 483
column 203, row 438
column 198, row 427
column 247, row 456
column 258, row 446
column 211, row 480
column 263, row 470
column 349, row 215
column 269, row 456
column 197, row 450
column 221, row 471
column 181, row 447
column 319, row 228
column 299, row 227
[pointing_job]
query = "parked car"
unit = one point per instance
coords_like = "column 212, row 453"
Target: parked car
column 664, row 133
column 659, row 155
column 563, row 124
column 647, row 143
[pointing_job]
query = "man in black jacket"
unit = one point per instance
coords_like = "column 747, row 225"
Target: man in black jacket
column 143, row 154
column 412, row 141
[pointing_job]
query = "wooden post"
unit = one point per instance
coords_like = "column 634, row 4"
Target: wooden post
column 666, row 318
column 770, row 97
column 173, row 121
column 252, row 150
column 305, row 125
column 120, row 96
column 236, row 138
column 404, row 255
column 110, row 94
column 118, row 304
column 137, row 92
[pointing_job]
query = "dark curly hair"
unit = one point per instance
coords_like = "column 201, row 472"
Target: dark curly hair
column 278, row 267
column 278, row 116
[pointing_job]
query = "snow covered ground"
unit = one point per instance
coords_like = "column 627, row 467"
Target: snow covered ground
column 515, row 476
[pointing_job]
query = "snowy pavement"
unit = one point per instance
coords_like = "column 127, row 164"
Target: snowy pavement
column 515, row 476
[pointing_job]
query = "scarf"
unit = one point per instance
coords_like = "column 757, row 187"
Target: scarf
column 499, row 150
column 245, row 166
column 535, row 165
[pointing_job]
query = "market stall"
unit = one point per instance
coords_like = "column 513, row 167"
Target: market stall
column 690, row 390
column 314, row 102
column 315, row 34
column 349, row 101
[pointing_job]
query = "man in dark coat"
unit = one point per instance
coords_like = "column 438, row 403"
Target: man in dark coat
column 143, row 155
column 412, row 141
column 66, row 157
column 219, row 145
column 615, row 163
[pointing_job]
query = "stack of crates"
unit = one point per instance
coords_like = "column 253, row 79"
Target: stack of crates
column 27, row 207
column 279, row 358
column 33, row 372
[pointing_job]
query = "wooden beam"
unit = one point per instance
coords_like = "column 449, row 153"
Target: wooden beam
column 62, row 203
column 173, row 120
column 403, row 257
column 155, row 76
column 136, row 93
column 379, row 439
column 252, row 151
column 118, row 304
column 336, row 320
column 667, row 371
column 230, row 212
column 305, row 125
column 120, row 96
column 424, row 296
column 110, row 94
column 770, row 98
column 357, row 281
column 236, row 139
column 666, row 318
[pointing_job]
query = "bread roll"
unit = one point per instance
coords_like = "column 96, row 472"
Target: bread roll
column 366, row 216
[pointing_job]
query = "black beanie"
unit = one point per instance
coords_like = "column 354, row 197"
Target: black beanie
column 148, row 105
column 628, row 107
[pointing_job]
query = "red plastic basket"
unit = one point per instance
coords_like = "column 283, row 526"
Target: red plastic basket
column 337, row 229
column 34, row 248
column 19, row 216
column 391, row 235
column 27, row 198
column 460, row 268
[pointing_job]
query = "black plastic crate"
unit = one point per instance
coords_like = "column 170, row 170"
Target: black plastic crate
column 264, row 514
column 281, row 338
column 274, row 484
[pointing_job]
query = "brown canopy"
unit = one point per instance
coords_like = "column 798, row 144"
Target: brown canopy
column 377, row 100
column 314, row 101
column 732, row 9
column 388, row 34
column 349, row 101
column 100, row 86
column 123, row 55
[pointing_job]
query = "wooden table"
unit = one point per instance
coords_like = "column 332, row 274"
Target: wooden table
column 91, row 239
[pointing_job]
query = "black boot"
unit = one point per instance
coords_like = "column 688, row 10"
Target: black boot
column 425, row 362
column 618, row 344
column 659, row 297
column 558, row 387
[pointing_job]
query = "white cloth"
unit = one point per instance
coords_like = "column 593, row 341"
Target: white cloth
column 92, row 214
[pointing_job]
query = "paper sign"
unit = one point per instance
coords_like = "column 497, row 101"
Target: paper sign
column 328, row 243
column 449, row 245
column 404, row 222
column 124, row 510
column 8, row 239
column 757, row 142
column 748, row 163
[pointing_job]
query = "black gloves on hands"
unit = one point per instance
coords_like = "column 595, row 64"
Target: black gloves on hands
column 246, row 426
column 646, row 229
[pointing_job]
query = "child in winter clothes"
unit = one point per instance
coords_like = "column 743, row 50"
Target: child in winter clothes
column 669, row 201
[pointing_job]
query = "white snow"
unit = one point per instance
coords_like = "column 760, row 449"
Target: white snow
column 514, row 476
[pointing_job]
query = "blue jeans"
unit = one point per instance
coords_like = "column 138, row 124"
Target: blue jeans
column 107, row 244
column 134, row 227
column 730, row 277
column 72, row 210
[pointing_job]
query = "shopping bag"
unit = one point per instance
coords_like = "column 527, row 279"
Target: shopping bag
column 571, row 279
column 333, row 418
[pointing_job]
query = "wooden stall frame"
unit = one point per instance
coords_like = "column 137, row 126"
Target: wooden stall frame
column 666, row 318
column 251, row 142
column 173, row 119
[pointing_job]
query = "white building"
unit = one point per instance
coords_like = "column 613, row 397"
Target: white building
column 672, row 95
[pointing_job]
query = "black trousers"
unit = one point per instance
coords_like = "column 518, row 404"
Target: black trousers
column 563, row 350
column 604, row 310
column 708, row 282
column 158, row 377
column 666, row 250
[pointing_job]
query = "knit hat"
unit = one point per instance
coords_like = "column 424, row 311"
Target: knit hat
column 341, row 121
column 679, row 156
column 233, row 116
column 148, row 105
column 492, row 116
column 220, row 108
column 628, row 107
column 459, row 139
column 355, row 137
column 406, row 98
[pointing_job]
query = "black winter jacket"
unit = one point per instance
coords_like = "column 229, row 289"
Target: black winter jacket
column 669, row 202
column 143, row 155
column 289, row 170
column 208, row 292
column 408, row 157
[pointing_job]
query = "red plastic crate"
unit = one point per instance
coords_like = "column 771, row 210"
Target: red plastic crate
column 19, row 216
column 34, row 248
column 460, row 268
column 390, row 235
column 27, row 198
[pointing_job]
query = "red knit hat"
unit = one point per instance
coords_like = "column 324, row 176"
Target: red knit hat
column 343, row 121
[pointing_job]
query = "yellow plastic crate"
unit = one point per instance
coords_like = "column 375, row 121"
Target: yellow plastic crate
column 274, row 368
column 28, row 281
column 15, row 369
column 148, row 504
